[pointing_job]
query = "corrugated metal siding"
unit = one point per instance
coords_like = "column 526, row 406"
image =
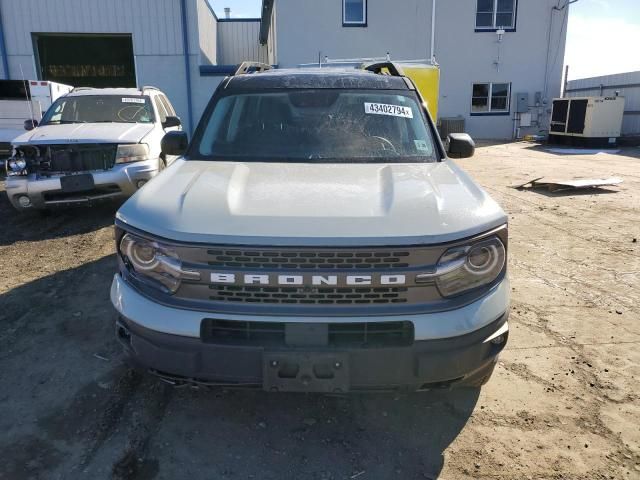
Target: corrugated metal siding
column 628, row 84
column 154, row 24
column 207, row 33
column 238, row 41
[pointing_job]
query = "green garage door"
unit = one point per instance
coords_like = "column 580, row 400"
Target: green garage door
column 86, row 60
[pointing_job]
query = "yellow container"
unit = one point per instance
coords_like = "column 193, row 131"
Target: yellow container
column 427, row 80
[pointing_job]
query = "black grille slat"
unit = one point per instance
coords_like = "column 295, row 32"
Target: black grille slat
column 324, row 296
column 287, row 260
column 363, row 334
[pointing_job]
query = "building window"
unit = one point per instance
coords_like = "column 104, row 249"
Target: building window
column 496, row 14
column 490, row 98
column 354, row 13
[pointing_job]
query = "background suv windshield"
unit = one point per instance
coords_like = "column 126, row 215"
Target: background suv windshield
column 100, row 109
column 317, row 125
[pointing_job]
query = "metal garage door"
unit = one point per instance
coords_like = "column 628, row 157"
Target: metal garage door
column 86, row 60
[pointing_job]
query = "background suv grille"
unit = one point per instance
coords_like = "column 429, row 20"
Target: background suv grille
column 320, row 296
column 319, row 260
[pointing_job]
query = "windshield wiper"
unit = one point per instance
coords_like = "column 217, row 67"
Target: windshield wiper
column 113, row 121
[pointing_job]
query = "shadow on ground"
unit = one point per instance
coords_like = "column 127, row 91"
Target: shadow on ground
column 72, row 407
column 37, row 226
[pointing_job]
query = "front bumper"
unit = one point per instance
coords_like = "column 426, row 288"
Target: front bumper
column 452, row 348
column 119, row 182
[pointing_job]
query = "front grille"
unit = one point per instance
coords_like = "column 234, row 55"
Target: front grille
column 76, row 158
column 361, row 334
column 308, row 296
column 301, row 259
column 5, row 150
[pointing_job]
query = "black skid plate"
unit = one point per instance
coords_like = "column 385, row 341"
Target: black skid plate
column 306, row 372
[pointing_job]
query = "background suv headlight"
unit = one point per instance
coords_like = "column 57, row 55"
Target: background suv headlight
column 135, row 152
column 16, row 166
column 154, row 263
column 470, row 266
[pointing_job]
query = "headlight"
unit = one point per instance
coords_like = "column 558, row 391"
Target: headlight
column 16, row 166
column 154, row 263
column 468, row 267
column 134, row 152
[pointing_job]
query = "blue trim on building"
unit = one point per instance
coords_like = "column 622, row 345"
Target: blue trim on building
column 220, row 70
column 494, row 30
column 265, row 21
column 217, row 70
column 187, row 63
column 491, row 114
column 230, row 20
column 357, row 25
column 3, row 47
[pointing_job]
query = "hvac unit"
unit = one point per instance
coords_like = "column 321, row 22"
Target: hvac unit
column 450, row 125
column 595, row 121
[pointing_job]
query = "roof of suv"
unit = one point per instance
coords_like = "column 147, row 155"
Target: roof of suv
column 317, row 78
column 78, row 92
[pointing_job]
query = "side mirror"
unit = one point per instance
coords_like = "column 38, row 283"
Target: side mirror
column 30, row 124
column 174, row 143
column 170, row 122
column 461, row 145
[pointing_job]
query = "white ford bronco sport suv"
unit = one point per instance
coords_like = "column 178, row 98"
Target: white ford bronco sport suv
column 313, row 237
column 92, row 144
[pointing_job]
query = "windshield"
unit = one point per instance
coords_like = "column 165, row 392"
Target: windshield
column 99, row 109
column 317, row 125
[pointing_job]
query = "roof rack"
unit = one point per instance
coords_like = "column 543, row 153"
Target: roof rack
column 251, row 67
column 78, row 89
column 391, row 67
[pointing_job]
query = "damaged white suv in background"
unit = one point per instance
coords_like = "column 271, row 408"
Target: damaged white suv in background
column 92, row 144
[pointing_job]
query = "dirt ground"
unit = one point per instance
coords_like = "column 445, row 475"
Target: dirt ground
column 564, row 402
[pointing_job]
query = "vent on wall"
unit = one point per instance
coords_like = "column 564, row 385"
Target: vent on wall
column 450, row 125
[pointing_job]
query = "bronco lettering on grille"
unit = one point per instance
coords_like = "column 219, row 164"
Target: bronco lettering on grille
column 220, row 278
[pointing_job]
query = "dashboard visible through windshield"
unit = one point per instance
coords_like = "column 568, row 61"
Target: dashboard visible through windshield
column 100, row 109
column 321, row 125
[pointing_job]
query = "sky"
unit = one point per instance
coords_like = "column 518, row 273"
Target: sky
column 603, row 36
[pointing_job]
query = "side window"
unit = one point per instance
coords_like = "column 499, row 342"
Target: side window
column 162, row 113
column 490, row 98
column 354, row 13
column 167, row 105
column 496, row 14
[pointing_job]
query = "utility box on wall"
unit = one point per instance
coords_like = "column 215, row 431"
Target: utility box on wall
column 587, row 120
column 522, row 102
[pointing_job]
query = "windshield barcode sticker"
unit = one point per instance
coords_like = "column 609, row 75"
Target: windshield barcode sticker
column 132, row 100
column 386, row 109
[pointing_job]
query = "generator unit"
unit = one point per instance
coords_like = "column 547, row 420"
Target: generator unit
column 591, row 121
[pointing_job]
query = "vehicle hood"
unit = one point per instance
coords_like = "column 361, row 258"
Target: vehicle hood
column 86, row 133
column 316, row 204
column 7, row 134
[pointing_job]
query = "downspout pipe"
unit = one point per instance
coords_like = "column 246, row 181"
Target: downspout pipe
column 3, row 48
column 187, row 63
column 433, row 31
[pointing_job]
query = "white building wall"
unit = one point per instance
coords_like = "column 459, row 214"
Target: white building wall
column 239, row 41
column 403, row 28
column 628, row 86
column 207, row 34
